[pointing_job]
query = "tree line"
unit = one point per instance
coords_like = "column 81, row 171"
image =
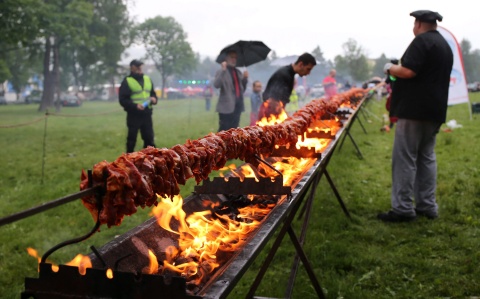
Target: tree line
column 81, row 42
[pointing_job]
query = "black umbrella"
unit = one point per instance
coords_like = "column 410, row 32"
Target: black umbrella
column 248, row 52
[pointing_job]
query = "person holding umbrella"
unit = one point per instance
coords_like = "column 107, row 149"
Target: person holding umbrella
column 232, row 84
column 280, row 85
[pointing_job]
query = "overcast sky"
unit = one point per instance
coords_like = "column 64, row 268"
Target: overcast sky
column 294, row 27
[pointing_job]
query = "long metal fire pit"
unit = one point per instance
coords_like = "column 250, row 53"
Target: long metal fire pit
column 149, row 235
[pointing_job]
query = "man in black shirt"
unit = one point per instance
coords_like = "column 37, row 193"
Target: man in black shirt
column 419, row 100
column 136, row 95
column 280, row 85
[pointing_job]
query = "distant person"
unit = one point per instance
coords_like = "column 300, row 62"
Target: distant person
column 136, row 95
column 280, row 85
column 208, row 93
column 232, row 84
column 348, row 86
column 330, row 84
column 419, row 100
column 256, row 101
column 293, row 107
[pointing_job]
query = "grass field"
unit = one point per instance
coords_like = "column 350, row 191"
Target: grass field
column 363, row 258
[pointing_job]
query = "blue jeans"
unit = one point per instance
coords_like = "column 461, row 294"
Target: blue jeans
column 209, row 103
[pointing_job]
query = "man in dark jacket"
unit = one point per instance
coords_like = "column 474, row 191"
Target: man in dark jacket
column 419, row 100
column 280, row 85
column 136, row 95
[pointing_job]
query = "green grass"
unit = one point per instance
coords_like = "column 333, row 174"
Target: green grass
column 363, row 258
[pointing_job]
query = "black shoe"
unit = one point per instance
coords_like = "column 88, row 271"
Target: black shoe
column 392, row 217
column 430, row 216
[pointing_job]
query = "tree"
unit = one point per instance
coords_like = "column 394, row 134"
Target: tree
column 4, row 72
column 63, row 22
column 353, row 62
column 20, row 70
column 19, row 22
column 117, row 32
column 166, row 45
column 318, row 54
column 471, row 61
column 379, row 64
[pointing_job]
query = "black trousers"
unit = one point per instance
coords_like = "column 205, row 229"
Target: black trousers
column 142, row 122
column 229, row 121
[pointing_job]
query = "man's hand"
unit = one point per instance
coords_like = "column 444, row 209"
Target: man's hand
column 140, row 106
column 386, row 68
column 154, row 100
column 245, row 74
column 224, row 65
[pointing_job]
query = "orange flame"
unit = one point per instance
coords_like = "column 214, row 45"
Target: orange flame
column 153, row 265
column 80, row 261
column 201, row 237
column 273, row 119
column 318, row 144
column 110, row 273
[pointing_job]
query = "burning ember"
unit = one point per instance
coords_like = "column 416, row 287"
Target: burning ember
column 318, row 144
column 80, row 261
column 326, row 126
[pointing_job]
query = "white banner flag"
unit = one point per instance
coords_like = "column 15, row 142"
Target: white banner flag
column 458, row 92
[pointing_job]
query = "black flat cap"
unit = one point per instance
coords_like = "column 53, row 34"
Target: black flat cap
column 136, row 62
column 427, row 16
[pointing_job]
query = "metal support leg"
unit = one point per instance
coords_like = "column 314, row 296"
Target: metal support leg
column 306, row 263
column 361, row 124
column 343, row 140
column 340, row 201
column 355, row 144
column 275, row 247
column 311, row 194
column 308, row 205
column 363, row 113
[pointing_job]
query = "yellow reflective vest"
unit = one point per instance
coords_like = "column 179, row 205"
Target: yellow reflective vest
column 139, row 94
column 293, row 105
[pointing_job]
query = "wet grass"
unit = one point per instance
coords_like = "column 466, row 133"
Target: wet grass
column 363, row 258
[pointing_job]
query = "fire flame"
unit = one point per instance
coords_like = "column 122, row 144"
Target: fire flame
column 110, row 273
column 153, row 265
column 80, row 261
column 202, row 236
column 273, row 119
column 319, row 144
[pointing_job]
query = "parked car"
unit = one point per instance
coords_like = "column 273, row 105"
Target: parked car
column 3, row 101
column 70, row 101
column 317, row 90
column 34, row 97
column 473, row 87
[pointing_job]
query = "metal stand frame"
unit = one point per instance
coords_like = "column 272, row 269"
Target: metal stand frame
column 347, row 133
column 298, row 243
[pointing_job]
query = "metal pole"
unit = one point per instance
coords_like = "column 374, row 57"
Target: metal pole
column 274, row 248
column 361, row 124
column 44, row 142
column 332, row 185
column 305, row 262
column 303, row 234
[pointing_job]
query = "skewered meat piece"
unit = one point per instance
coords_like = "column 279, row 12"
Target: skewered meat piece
column 137, row 178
